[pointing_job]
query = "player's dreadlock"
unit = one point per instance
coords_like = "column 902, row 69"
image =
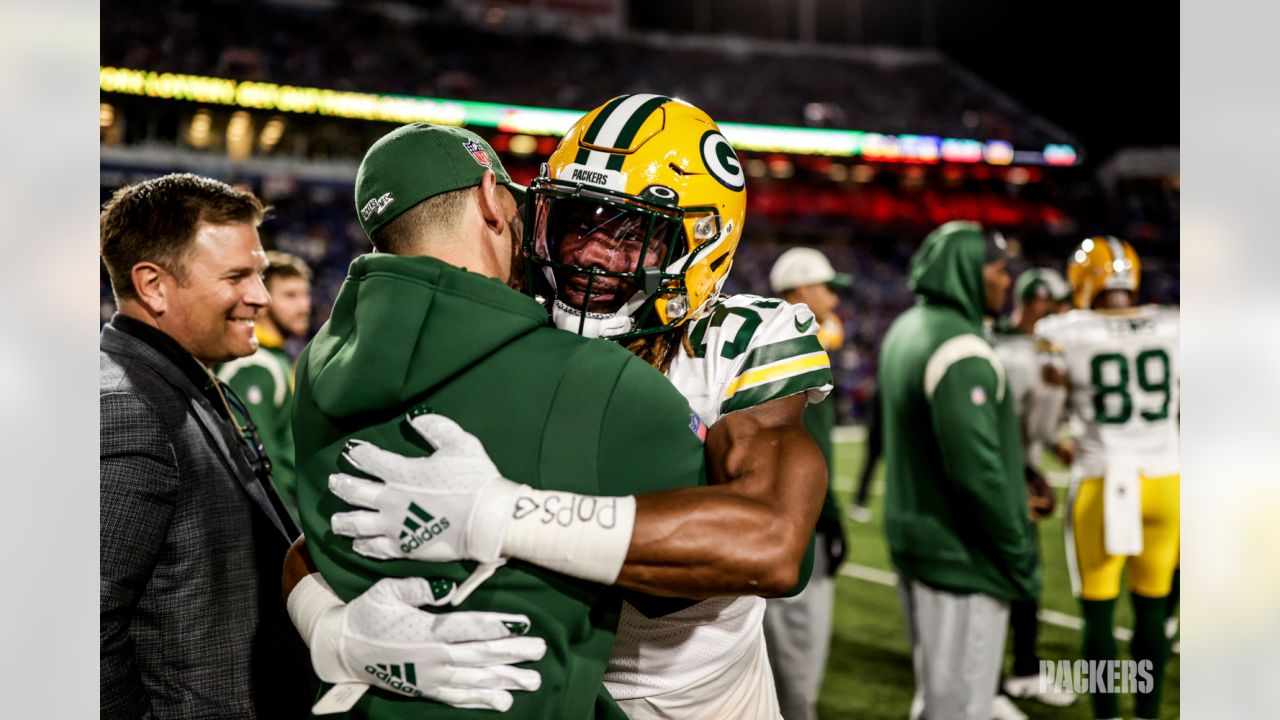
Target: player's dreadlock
column 660, row 350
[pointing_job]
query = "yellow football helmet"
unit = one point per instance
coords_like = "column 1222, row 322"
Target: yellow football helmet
column 634, row 219
column 1102, row 263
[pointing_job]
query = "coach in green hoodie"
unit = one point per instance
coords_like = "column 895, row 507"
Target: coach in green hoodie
column 956, row 505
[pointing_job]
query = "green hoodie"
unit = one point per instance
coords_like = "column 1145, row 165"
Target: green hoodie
column 553, row 409
column 956, row 503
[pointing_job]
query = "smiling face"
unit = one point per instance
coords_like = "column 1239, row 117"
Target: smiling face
column 604, row 238
column 211, row 312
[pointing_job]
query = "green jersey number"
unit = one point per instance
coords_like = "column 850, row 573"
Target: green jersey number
column 750, row 321
column 1152, row 368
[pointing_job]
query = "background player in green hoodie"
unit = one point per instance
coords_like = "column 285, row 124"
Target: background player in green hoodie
column 956, row 500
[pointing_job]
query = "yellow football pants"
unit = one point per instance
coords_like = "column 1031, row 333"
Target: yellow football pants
column 1095, row 574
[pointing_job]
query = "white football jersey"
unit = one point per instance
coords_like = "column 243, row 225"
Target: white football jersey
column 748, row 350
column 1021, row 360
column 1124, row 370
column 1037, row 404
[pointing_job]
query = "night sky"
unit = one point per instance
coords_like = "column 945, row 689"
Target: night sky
column 1106, row 72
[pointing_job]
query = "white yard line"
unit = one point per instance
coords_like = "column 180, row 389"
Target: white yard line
column 1053, row 617
column 849, row 433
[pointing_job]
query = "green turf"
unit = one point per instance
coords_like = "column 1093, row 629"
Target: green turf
column 869, row 670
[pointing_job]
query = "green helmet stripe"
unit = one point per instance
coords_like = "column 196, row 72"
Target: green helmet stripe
column 593, row 131
column 610, row 125
column 629, row 130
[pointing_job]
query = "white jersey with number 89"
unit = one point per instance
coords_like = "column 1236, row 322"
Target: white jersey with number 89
column 1124, row 372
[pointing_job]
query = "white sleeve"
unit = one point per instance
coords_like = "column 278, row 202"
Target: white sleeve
column 780, row 356
column 1046, row 401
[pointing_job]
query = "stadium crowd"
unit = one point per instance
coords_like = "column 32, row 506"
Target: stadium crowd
column 429, row 54
column 872, row 230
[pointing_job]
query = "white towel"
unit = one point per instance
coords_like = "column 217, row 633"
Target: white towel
column 1122, row 506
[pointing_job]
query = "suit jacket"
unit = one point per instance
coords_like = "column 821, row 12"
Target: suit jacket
column 192, row 624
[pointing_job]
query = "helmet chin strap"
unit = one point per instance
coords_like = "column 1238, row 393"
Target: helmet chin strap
column 596, row 325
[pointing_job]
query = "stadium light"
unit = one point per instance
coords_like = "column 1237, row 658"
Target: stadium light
column 271, row 133
column 198, row 133
column 541, row 121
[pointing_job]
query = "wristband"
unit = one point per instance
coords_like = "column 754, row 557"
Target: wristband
column 316, row 611
column 583, row 536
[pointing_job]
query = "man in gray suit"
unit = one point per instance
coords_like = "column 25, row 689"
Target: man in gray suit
column 193, row 536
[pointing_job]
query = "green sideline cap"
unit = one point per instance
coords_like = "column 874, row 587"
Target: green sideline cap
column 419, row 161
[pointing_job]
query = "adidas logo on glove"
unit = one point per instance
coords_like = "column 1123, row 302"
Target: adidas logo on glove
column 418, row 531
column 399, row 677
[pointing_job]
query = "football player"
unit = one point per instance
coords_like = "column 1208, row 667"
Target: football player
column 630, row 232
column 1122, row 364
column 634, row 246
column 1038, row 397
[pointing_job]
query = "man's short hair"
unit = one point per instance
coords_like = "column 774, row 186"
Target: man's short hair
column 155, row 221
column 440, row 212
column 284, row 265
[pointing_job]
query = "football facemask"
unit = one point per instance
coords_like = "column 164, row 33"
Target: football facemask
column 604, row 258
column 632, row 224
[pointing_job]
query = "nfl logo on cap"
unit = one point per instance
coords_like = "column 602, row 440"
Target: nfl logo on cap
column 478, row 152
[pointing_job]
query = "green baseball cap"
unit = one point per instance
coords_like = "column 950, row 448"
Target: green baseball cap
column 419, row 161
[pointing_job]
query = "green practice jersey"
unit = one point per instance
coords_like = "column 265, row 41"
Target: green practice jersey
column 554, row 410
column 820, row 420
column 263, row 381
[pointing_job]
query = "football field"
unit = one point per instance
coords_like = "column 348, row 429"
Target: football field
column 869, row 669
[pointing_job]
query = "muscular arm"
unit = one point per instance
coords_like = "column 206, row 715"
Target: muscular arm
column 746, row 533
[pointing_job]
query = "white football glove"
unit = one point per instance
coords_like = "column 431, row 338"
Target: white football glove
column 381, row 638
column 451, row 505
